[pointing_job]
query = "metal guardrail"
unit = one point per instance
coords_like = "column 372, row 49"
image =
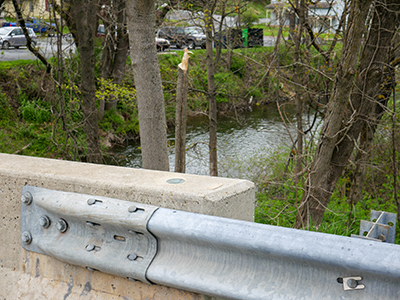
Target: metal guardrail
column 210, row 255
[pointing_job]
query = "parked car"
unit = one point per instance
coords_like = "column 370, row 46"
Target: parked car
column 38, row 25
column 101, row 31
column 198, row 34
column 180, row 37
column 14, row 37
column 161, row 43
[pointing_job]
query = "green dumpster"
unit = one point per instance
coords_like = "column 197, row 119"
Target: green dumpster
column 245, row 36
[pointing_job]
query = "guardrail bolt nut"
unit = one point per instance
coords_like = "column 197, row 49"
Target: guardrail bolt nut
column 62, row 225
column 352, row 283
column 44, row 221
column 132, row 256
column 91, row 201
column 26, row 237
column 27, row 198
column 90, row 247
column 132, row 209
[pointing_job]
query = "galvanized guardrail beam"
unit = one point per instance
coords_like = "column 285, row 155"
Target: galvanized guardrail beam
column 216, row 256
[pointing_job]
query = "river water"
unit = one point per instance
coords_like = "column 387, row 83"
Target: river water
column 240, row 138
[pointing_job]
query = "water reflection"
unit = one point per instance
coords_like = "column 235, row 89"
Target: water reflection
column 238, row 138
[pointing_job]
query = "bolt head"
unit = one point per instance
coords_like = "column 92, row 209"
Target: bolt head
column 352, row 283
column 132, row 256
column 90, row 247
column 132, row 209
column 44, row 221
column 27, row 198
column 26, row 237
column 62, row 225
column 91, row 201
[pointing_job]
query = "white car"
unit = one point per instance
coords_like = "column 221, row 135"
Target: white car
column 14, row 37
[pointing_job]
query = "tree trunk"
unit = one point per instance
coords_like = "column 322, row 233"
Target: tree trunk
column 212, row 110
column 298, row 78
column 354, row 104
column 150, row 97
column 180, row 114
column 86, row 21
column 122, row 50
column 292, row 20
column 115, row 52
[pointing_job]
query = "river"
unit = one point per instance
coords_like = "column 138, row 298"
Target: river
column 240, row 138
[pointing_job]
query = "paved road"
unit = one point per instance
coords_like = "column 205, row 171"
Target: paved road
column 47, row 46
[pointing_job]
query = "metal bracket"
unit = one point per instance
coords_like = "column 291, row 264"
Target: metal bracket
column 382, row 227
column 99, row 233
column 351, row 283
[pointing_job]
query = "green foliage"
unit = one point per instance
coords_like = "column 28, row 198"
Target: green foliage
column 34, row 111
column 278, row 196
column 108, row 90
column 248, row 18
column 6, row 112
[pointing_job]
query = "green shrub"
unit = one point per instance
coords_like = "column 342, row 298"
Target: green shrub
column 35, row 111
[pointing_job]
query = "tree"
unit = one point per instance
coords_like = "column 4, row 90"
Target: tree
column 141, row 18
column 85, row 16
column 115, row 48
column 364, row 80
column 212, row 99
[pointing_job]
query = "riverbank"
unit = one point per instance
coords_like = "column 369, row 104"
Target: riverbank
column 39, row 119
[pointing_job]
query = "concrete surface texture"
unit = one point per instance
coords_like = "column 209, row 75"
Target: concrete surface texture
column 29, row 275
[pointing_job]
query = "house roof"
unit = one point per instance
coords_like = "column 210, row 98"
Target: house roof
column 321, row 4
column 317, row 5
column 275, row 5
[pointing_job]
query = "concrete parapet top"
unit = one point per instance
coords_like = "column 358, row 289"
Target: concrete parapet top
column 211, row 188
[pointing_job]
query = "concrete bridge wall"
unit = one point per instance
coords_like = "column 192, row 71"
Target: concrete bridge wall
column 28, row 275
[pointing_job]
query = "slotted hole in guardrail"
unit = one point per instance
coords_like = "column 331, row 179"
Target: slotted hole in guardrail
column 119, row 238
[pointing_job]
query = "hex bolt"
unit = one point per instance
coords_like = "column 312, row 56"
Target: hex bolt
column 132, row 256
column 91, row 201
column 382, row 237
column 27, row 198
column 44, row 221
column 26, row 237
column 352, row 283
column 132, row 209
column 62, row 225
column 90, row 247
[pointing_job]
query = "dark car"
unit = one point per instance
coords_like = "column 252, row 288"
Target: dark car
column 179, row 37
column 161, row 43
column 198, row 34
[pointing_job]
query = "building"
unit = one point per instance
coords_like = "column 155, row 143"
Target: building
column 323, row 16
column 30, row 8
